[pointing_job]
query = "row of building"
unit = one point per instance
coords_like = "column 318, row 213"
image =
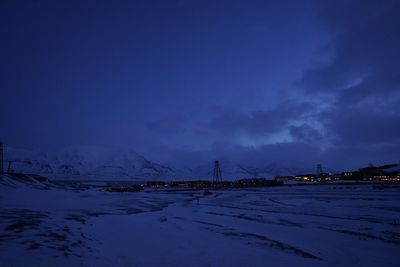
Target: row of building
column 201, row 184
column 390, row 172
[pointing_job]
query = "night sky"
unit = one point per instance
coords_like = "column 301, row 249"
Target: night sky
column 186, row 81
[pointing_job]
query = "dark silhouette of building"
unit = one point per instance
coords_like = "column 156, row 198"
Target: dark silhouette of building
column 217, row 178
column 284, row 179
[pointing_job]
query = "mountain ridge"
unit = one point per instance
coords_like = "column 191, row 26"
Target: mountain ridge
column 84, row 162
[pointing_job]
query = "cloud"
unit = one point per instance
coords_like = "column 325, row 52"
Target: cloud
column 364, row 48
column 353, row 127
column 283, row 153
column 358, row 120
column 361, row 74
column 168, row 125
column 260, row 122
column 305, row 133
column 356, row 156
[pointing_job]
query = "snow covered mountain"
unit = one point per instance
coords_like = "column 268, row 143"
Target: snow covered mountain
column 81, row 162
column 233, row 170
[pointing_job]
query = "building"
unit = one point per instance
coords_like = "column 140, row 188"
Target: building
column 284, row 179
column 156, row 184
column 306, row 178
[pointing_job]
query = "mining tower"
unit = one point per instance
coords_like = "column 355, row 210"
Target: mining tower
column 217, row 173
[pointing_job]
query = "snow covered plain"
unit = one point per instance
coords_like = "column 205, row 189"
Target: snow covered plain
column 327, row 225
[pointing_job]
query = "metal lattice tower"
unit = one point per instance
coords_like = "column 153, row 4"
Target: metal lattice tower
column 217, row 173
column 1, row 160
column 319, row 169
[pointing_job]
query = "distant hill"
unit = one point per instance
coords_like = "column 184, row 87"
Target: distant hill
column 84, row 162
column 81, row 162
column 232, row 170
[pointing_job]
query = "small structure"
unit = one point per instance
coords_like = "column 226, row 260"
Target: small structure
column 217, row 178
column 310, row 177
column 284, row 179
column 351, row 175
column 257, row 182
column 122, row 188
column 156, row 184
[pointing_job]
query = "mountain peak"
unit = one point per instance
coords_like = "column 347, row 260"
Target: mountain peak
column 86, row 162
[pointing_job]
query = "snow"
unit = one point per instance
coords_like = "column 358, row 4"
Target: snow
column 325, row 225
column 86, row 162
column 94, row 163
column 233, row 171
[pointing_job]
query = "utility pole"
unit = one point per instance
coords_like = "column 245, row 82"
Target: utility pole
column 217, row 173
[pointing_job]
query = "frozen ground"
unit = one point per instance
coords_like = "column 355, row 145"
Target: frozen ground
column 332, row 225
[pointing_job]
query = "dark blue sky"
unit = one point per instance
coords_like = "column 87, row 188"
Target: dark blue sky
column 185, row 81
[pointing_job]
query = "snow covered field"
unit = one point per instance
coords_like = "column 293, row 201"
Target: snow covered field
column 327, row 225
